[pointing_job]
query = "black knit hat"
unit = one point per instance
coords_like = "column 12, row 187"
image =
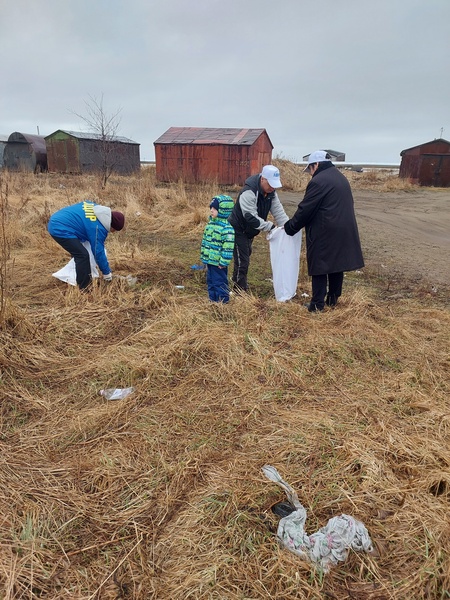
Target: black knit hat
column 117, row 220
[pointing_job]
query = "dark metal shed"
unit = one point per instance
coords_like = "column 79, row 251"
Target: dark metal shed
column 78, row 152
column 224, row 155
column 25, row 152
column 335, row 155
column 427, row 164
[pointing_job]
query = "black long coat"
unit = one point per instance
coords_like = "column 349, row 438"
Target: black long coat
column 328, row 216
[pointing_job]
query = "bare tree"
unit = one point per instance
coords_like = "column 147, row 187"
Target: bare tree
column 104, row 128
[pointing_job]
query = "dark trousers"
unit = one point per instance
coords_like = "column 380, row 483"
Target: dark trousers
column 326, row 289
column 81, row 256
column 217, row 282
column 241, row 255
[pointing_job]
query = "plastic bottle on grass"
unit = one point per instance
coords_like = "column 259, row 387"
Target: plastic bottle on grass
column 116, row 393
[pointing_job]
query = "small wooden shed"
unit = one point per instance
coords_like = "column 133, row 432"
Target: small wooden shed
column 79, row 152
column 25, row 152
column 335, row 155
column 224, row 155
column 427, row 164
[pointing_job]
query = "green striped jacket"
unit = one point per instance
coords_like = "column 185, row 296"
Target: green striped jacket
column 218, row 236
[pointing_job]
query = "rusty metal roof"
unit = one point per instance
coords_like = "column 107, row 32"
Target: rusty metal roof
column 37, row 142
column 334, row 152
column 94, row 136
column 210, row 135
column 437, row 140
column 330, row 152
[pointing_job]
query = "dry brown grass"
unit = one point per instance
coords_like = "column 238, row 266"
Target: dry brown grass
column 161, row 495
column 294, row 179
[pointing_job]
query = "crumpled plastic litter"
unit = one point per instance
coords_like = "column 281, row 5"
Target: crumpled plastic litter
column 198, row 267
column 130, row 279
column 116, row 393
column 327, row 546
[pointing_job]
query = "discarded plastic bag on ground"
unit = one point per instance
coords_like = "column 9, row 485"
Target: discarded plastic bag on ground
column 116, row 393
column 285, row 260
column 68, row 273
column 330, row 544
column 130, row 279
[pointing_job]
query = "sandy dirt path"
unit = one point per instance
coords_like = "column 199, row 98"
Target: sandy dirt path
column 402, row 233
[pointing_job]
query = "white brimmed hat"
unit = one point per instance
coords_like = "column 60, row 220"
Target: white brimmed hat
column 272, row 174
column 317, row 156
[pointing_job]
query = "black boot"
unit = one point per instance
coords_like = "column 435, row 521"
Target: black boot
column 313, row 307
column 331, row 300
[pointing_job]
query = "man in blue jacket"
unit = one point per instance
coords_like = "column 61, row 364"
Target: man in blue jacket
column 85, row 222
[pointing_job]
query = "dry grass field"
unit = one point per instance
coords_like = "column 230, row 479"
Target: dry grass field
column 161, row 495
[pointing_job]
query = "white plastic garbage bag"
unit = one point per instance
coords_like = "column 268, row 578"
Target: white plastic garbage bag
column 330, row 544
column 285, row 260
column 68, row 273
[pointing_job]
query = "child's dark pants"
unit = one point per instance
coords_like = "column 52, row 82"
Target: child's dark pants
column 217, row 282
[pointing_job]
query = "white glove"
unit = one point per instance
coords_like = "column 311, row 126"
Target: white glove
column 107, row 277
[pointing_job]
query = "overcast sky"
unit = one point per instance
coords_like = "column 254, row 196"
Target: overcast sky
column 365, row 77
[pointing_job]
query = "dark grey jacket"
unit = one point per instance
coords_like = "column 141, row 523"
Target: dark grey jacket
column 252, row 208
column 328, row 216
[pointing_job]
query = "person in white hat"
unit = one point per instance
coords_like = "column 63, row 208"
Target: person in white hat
column 255, row 201
column 332, row 238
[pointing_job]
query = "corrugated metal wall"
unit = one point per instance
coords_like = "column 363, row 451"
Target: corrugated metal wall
column 2, row 149
column 427, row 164
column 63, row 154
column 69, row 154
column 121, row 158
column 435, row 170
column 225, row 164
column 25, row 152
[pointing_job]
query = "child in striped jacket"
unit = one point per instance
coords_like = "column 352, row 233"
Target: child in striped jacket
column 217, row 248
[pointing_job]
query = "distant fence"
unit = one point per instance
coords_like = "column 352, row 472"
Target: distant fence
column 366, row 166
column 340, row 165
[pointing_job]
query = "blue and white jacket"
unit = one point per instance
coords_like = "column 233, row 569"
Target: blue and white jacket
column 86, row 221
column 218, row 236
